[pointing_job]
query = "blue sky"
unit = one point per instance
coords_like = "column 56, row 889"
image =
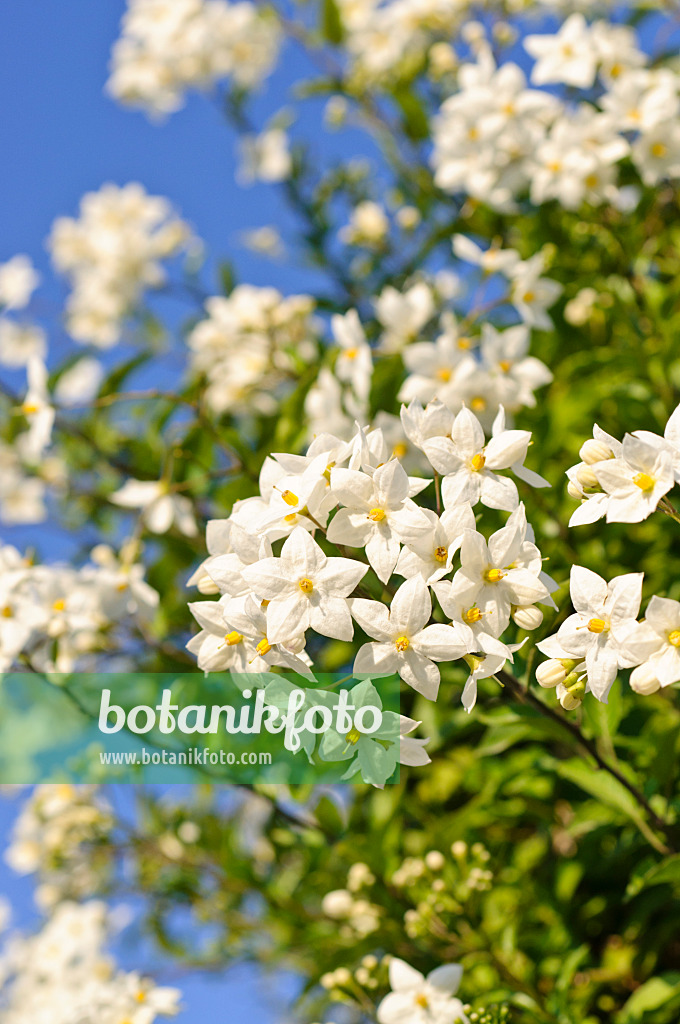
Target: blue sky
column 61, row 137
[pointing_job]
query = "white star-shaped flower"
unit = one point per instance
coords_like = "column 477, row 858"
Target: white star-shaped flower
column 378, row 514
column 305, row 589
column 405, row 643
column 416, row 999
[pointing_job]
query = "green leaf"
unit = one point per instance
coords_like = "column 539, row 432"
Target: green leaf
column 331, row 22
column 655, row 993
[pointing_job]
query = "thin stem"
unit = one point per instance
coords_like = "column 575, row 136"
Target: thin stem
column 527, row 697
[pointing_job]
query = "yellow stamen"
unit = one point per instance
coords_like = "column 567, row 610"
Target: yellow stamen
column 59, row 605
column 441, row 554
column 472, row 615
column 597, row 626
column 478, row 404
column 505, row 365
column 674, row 638
column 444, row 374
column 477, row 462
column 402, row 643
column 659, row 150
column 306, row 585
column 377, row 515
column 421, row 1000
column 353, row 736
column 233, row 638
column 493, row 575
column 290, row 518
column 264, row 647
column 290, row 498
column 644, row 481
column 464, row 343
column 28, row 408
column 6, row 612
column 400, row 450
column 529, row 297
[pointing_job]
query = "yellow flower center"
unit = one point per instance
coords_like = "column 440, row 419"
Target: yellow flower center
column 505, row 365
column 377, row 515
column 306, row 585
column 290, row 518
column 421, row 1000
column 464, row 343
column 472, row 615
column 597, row 626
column 477, row 462
column 400, row 450
column 233, row 638
column 493, row 575
column 644, row 481
column 402, row 643
column 352, row 353
column 659, row 150
column 353, row 736
column 592, row 181
column 441, row 554
column 289, row 497
column 264, row 647
column 28, row 408
column 528, row 297
column 444, row 374
column 59, row 605
column 6, row 612
column 674, row 638
column 478, row 404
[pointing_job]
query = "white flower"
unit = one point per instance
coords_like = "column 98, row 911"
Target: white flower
column 432, row 554
column 234, row 637
column 265, row 157
column 403, row 314
column 405, row 643
column 604, row 622
column 635, row 481
column 160, row 508
column 18, row 281
column 38, row 411
column 368, row 226
column 532, row 294
column 20, row 342
column 415, row 999
column 468, row 463
column 354, row 365
column 305, row 589
column 411, row 748
column 378, row 514
column 498, row 582
column 492, row 260
column 483, row 667
column 80, row 383
column 655, row 643
column 569, row 56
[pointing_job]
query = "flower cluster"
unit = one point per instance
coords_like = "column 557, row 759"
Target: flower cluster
column 56, row 836
column 251, row 342
column 357, row 500
column 625, row 480
column 497, row 139
column 604, row 635
column 110, row 254
column 53, row 615
column 18, row 341
column 170, row 46
column 63, row 974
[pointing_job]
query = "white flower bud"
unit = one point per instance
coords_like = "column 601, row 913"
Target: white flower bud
column 550, row 673
column 527, row 617
column 337, row 903
column 573, row 690
column 459, row 848
column 574, row 491
column 592, row 451
column 434, row 860
column 408, row 218
column 643, row 680
column 587, row 478
column 296, row 645
column 206, row 585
